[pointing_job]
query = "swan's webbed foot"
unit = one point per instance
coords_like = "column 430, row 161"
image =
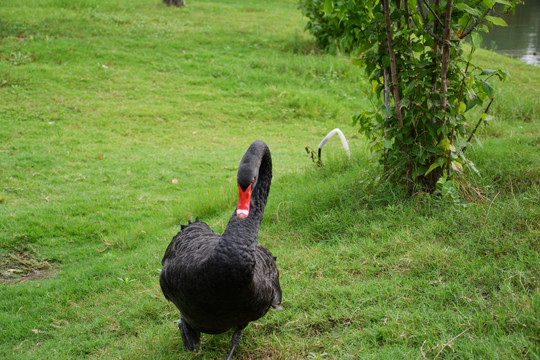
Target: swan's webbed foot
column 190, row 337
column 235, row 340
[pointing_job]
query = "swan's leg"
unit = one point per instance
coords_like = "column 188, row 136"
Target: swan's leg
column 190, row 337
column 235, row 340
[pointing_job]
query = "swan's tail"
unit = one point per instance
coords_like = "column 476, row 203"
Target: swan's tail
column 190, row 337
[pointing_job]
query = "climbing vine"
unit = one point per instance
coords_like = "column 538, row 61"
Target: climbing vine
column 429, row 98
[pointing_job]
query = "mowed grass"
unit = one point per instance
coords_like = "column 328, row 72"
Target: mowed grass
column 104, row 104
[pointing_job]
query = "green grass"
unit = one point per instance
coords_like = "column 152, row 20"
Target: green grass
column 104, row 103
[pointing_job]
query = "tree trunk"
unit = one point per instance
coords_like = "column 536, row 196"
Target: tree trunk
column 395, row 90
column 393, row 71
column 446, row 54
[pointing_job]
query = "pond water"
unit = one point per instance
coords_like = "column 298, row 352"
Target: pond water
column 521, row 38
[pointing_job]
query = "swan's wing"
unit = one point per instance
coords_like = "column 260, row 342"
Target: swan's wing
column 189, row 240
column 186, row 252
column 267, row 277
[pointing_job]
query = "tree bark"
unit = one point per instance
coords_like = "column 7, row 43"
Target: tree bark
column 445, row 61
column 395, row 90
column 393, row 71
column 435, row 53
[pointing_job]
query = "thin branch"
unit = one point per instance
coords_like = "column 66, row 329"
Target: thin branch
column 421, row 11
column 426, row 26
column 474, row 25
column 463, row 80
column 430, row 32
column 407, row 14
column 408, row 23
column 478, row 124
column 398, row 6
column 433, row 12
column 386, row 87
column 466, row 24
column 448, row 161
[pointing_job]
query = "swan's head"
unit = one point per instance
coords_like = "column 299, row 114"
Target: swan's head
column 244, row 197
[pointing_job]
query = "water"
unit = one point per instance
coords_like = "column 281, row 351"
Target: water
column 521, row 38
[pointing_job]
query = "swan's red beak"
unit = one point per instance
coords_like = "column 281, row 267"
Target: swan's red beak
column 244, row 198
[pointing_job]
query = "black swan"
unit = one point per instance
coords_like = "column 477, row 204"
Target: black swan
column 220, row 282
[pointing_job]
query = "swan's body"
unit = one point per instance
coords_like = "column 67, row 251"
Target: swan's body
column 220, row 282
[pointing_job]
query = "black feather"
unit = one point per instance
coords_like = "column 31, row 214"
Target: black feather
column 222, row 282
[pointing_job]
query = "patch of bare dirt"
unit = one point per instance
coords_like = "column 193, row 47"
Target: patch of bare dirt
column 24, row 264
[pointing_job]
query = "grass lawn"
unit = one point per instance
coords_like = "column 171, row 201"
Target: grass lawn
column 121, row 120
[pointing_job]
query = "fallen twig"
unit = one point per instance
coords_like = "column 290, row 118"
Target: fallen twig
column 450, row 342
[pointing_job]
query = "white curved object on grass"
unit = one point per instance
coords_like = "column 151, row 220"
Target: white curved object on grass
column 343, row 142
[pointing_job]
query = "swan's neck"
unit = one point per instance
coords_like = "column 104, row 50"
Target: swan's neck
column 246, row 231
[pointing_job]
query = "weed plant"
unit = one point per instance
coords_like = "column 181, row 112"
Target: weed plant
column 119, row 121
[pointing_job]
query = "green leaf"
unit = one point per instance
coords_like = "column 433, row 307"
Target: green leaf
column 387, row 143
column 374, row 86
column 461, row 108
column 468, row 9
column 470, row 80
column 356, row 118
column 404, row 103
column 496, row 20
column 488, row 72
column 444, row 144
column 358, row 61
column 385, row 61
column 488, row 89
column 483, row 28
column 418, row 47
column 476, row 39
column 488, row 3
column 432, row 130
column 328, row 7
column 456, row 166
column 388, row 112
column 431, row 168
